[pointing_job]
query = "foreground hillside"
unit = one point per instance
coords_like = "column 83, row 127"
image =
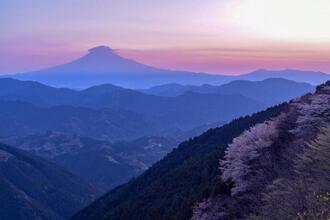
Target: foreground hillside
column 169, row 188
column 279, row 169
column 276, row 158
column 32, row 188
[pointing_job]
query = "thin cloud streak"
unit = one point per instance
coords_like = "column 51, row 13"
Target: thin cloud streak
column 233, row 60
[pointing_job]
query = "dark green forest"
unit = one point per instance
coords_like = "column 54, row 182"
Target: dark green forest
column 169, row 189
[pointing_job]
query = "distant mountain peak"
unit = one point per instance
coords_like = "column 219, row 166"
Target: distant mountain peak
column 100, row 60
column 260, row 70
column 312, row 77
column 103, row 65
column 102, row 54
column 101, row 49
column 283, row 71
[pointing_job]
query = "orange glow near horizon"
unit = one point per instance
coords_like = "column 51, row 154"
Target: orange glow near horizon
column 215, row 36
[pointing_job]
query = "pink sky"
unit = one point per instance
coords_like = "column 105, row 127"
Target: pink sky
column 215, row 36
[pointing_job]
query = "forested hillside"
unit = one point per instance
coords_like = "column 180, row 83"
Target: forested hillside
column 102, row 163
column 277, row 158
column 32, row 188
column 169, row 189
column 278, row 169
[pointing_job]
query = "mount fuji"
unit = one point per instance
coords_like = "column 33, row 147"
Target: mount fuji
column 102, row 65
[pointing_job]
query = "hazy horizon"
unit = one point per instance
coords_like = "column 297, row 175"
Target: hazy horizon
column 156, row 66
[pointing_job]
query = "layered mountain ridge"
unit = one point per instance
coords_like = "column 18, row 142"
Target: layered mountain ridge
column 110, row 112
column 274, row 90
column 106, row 135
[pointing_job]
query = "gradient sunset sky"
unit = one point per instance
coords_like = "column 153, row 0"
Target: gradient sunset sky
column 215, row 36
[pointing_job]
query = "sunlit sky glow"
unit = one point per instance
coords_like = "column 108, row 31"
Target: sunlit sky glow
column 216, row 36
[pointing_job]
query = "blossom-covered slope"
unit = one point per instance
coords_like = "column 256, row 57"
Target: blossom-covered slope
column 278, row 169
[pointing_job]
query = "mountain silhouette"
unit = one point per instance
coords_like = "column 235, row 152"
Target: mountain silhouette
column 125, row 109
column 101, row 60
column 312, row 77
column 270, row 91
column 103, row 65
